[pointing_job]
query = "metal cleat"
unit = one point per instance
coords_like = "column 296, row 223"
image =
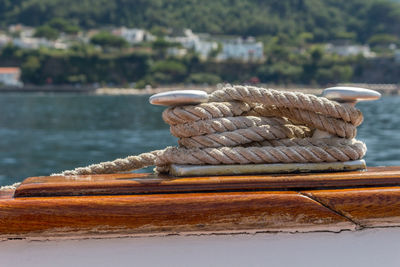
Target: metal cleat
column 179, row 97
column 350, row 95
column 346, row 95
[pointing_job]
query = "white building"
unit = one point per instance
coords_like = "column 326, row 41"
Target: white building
column 26, row 43
column 133, row 36
column 349, row 50
column 35, row 43
column 241, row 49
column 10, row 76
column 4, row 40
column 176, row 51
column 30, row 42
column 199, row 43
column 21, row 30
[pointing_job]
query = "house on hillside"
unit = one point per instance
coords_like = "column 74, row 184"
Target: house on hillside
column 10, row 76
column 349, row 50
column 19, row 30
column 200, row 43
column 4, row 40
column 241, row 49
column 35, row 43
column 176, row 51
column 133, row 36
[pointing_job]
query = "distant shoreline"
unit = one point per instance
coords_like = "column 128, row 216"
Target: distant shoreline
column 48, row 89
column 132, row 91
column 385, row 89
column 209, row 89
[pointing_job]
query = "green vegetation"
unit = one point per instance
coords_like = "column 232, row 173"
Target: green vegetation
column 76, row 67
column 324, row 19
column 63, row 25
column 47, row 32
column 203, row 78
column 52, row 29
column 293, row 33
column 383, row 39
column 106, row 39
column 83, row 64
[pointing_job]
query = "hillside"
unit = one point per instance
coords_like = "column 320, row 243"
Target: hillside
column 325, row 19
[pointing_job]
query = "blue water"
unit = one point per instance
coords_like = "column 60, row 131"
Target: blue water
column 43, row 134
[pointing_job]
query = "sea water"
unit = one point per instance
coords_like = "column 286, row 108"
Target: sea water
column 42, row 134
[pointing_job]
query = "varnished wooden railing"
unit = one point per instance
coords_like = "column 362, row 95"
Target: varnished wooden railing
column 136, row 204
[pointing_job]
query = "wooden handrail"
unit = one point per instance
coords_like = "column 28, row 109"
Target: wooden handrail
column 126, row 184
column 143, row 204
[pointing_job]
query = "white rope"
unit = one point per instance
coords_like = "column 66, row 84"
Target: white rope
column 250, row 125
column 9, row 187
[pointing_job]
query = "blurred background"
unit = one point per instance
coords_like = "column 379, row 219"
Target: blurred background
column 75, row 76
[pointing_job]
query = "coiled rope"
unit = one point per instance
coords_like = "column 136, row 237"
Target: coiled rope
column 250, row 125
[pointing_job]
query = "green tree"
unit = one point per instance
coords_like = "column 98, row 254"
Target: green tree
column 334, row 74
column 160, row 46
column 30, row 70
column 47, row 32
column 383, row 39
column 342, row 35
column 203, row 78
column 281, row 72
column 172, row 69
column 324, row 19
column 106, row 39
column 10, row 51
column 63, row 25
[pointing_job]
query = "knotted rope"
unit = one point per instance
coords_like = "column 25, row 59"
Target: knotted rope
column 250, row 125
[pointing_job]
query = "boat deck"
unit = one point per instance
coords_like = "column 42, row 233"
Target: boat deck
column 147, row 204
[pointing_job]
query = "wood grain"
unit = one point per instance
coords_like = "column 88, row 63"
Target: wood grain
column 166, row 213
column 368, row 207
column 137, row 204
column 126, row 184
column 6, row 194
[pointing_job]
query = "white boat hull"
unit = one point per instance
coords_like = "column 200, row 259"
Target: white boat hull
column 371, row 247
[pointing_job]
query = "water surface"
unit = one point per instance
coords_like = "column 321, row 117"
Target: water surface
column 45, row 133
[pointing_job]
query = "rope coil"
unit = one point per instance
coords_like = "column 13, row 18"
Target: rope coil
column 250, row 125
